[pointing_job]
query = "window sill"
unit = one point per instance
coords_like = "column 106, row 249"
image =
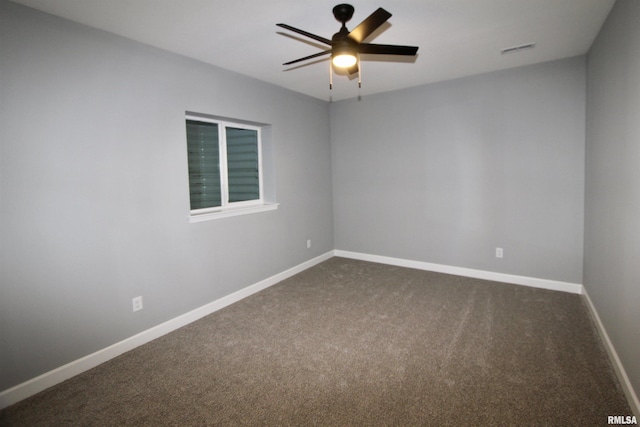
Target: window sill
column 226, row 213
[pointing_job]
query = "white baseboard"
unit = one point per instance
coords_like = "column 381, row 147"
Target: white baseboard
column 58, row 375
column 632, row 397
column 574, row 288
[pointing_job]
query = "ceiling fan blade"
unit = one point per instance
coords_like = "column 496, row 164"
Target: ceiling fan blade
column 315, row 55
column 387, row 49
column 369, row 25
column 304, row 33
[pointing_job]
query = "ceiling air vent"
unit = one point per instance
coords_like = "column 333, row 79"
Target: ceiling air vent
column 519, row 48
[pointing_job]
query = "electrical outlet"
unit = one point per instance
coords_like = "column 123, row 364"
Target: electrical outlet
column 499, row 253
column 308, row 243
column 137, row 303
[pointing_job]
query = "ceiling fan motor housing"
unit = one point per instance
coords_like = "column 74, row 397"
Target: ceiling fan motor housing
column 341, row 43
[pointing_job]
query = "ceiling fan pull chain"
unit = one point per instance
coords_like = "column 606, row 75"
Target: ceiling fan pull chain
column 330, row 76
column 359, row 72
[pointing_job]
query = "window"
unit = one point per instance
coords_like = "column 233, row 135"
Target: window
column 225, row 168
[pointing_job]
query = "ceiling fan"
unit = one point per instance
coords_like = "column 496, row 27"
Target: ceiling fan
column 346, row 45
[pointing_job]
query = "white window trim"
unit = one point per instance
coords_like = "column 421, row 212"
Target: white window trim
column 229, row 209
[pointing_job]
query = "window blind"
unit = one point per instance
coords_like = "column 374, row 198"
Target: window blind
column 242, row 164
column 204, row 164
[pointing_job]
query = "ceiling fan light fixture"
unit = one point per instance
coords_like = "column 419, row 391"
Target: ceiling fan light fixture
column 344, row 59
column 343, row 54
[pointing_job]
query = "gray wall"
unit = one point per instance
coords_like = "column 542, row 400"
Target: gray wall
column 612, row 224
column 94, row 189
column 447, row 172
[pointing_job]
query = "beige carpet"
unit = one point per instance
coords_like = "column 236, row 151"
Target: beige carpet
column 356, row 343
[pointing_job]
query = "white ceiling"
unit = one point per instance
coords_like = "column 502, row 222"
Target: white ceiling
column 456, row 37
